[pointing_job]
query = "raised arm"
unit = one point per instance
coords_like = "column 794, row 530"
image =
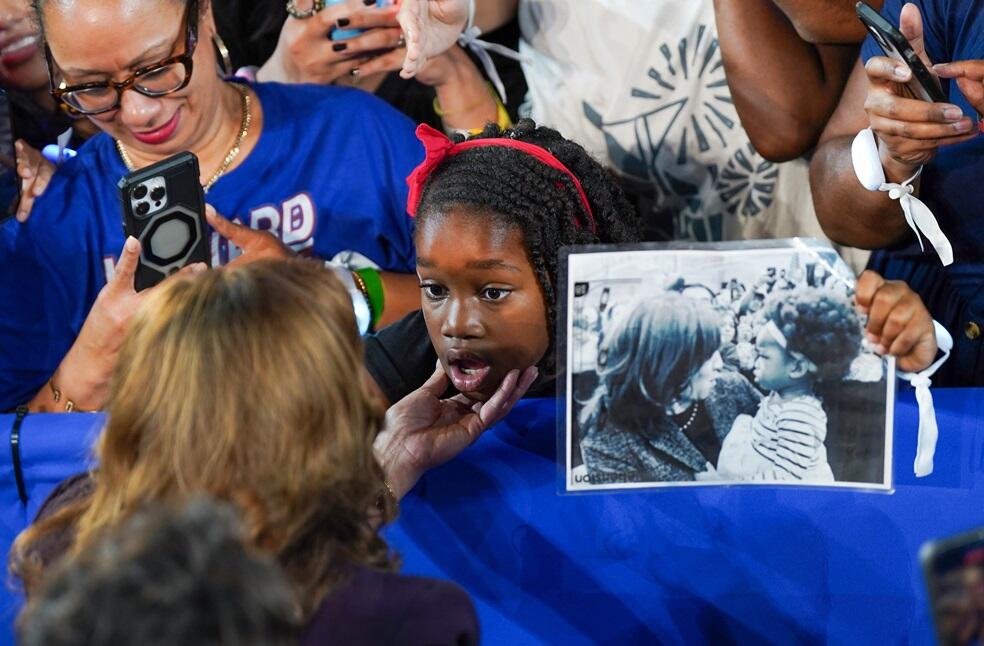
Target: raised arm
column 908, row 133
column 784, row 87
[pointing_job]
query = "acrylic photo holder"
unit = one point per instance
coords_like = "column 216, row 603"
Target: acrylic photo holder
column 744, row 363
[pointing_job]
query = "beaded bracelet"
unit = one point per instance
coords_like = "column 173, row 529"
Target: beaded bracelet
column 375, row 293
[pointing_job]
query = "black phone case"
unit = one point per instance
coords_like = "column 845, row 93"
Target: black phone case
column 172, row 230
column 923, row 84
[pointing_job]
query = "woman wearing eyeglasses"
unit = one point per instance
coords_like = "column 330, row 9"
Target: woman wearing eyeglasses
column 297, row 169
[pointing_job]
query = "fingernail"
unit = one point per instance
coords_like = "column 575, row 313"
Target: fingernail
column 342, row 22
column 368, row 3
column 880, row 349
column 198, row 267
column 131, row 243
column 964, row 125
column 901, row 72
column 952, row 113
column 872, row 339
column 339, row 47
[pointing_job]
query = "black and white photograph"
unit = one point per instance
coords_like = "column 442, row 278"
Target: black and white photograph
column 735, row 363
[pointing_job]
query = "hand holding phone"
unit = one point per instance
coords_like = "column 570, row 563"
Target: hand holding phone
column 164, row 209
column 909, row 130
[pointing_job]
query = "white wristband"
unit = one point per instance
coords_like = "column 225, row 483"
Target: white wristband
column 869, row 171
column 363, row 316
column 928, row 430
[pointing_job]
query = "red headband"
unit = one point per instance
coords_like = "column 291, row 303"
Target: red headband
column 438, row 148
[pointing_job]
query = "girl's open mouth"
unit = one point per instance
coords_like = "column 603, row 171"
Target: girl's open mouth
column 468, row 374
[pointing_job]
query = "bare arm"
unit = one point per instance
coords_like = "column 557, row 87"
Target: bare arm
column 826, row 22
column 784, row 88
column 908, row 132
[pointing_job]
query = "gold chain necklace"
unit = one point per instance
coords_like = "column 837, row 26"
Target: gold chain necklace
column 244, row 124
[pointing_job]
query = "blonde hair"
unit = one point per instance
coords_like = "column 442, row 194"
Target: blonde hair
column 246, row 384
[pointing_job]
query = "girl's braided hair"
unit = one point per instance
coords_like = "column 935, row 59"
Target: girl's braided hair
column 510, row 187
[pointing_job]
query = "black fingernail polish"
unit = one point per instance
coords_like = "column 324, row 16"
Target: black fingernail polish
column 342, row 22
column 339, row 47
column 368, row 3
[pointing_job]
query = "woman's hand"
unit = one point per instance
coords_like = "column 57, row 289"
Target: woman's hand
column 909, row 131
column 431, row 28
column 35, row 172
column 84, row 374
column 256, row 245
column 422, row 430
column 306, row 54
column 898, row 322
column 969, row 76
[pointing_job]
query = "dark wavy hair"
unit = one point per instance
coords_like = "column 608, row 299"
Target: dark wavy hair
column 649, row 356
column 511, row 188
column 819, row 324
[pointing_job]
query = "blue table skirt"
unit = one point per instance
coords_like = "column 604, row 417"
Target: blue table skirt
column 715, row 565
column 688, row 566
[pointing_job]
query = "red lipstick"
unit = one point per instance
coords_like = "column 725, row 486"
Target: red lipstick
column 159, row 135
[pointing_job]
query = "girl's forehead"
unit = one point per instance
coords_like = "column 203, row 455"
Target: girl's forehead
column 461, row 234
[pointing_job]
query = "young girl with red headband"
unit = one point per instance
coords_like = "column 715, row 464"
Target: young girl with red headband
column 491, row 215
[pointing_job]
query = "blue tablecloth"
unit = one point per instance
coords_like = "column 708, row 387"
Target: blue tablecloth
column 715, row 565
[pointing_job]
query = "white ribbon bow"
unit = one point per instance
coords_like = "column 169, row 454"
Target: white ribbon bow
column 470, row 38
column 928, row 430
column 919, row 218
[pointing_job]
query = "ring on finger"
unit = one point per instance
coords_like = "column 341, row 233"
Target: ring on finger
column 354, row 73
column 302, row 14
column 401, row 41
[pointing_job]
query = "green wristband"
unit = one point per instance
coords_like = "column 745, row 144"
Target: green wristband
column 374, row 285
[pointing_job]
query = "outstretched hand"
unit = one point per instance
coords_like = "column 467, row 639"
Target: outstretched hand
column 423, row 431
column 430, row 27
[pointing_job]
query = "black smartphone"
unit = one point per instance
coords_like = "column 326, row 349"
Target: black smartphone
column 954, row 573
column 923, row 84
column 9, row 180
column 164, row 208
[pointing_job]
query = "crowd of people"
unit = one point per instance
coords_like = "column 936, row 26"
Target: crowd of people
column 247, row 416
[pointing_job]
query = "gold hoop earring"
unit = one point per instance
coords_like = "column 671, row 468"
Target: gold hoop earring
column 222, row 58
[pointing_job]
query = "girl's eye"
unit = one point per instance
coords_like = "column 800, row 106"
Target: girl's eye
column 495, row 293
column 434, row 292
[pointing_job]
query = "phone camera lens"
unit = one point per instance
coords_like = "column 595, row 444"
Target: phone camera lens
column 142, row 208
column 140, row 192
column 157, row 194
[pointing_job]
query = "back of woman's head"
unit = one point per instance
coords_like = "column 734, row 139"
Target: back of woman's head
column 651, row 353
column 246, row 384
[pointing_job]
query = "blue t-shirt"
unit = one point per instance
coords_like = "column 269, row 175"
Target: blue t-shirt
column 327, row 175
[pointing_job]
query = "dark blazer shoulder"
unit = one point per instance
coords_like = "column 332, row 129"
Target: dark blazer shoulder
column 374, row 607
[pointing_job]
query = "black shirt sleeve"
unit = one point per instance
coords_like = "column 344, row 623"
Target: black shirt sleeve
column 400, row 357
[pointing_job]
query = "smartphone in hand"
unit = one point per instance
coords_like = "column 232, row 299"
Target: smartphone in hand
column 923, row 84
column 164, row 208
